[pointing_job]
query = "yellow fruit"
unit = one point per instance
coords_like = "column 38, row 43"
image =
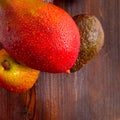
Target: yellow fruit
column 14, row 76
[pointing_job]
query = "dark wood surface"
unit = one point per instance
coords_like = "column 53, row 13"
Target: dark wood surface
column 93, row 93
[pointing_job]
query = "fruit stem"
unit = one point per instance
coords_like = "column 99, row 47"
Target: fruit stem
column 6, row 65
column 68, row 71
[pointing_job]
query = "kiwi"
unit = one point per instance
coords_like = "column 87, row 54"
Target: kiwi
column 92, row 39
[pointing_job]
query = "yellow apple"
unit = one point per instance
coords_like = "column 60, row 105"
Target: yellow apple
column 14, row 76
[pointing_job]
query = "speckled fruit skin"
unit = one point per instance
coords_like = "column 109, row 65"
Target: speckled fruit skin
column 39, row 35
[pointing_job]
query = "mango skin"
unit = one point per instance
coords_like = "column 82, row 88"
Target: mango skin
column 39, row 35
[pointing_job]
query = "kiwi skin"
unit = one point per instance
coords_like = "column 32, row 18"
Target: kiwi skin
column 92, row 39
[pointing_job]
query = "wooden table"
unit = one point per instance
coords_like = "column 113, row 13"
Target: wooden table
column 93, row 93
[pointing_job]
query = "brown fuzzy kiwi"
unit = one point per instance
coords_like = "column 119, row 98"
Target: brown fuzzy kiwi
column 92, row 39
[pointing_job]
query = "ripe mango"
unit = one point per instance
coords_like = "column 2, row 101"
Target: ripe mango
column 39, row 35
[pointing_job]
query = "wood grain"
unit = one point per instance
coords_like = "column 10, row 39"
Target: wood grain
column 93, row 93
